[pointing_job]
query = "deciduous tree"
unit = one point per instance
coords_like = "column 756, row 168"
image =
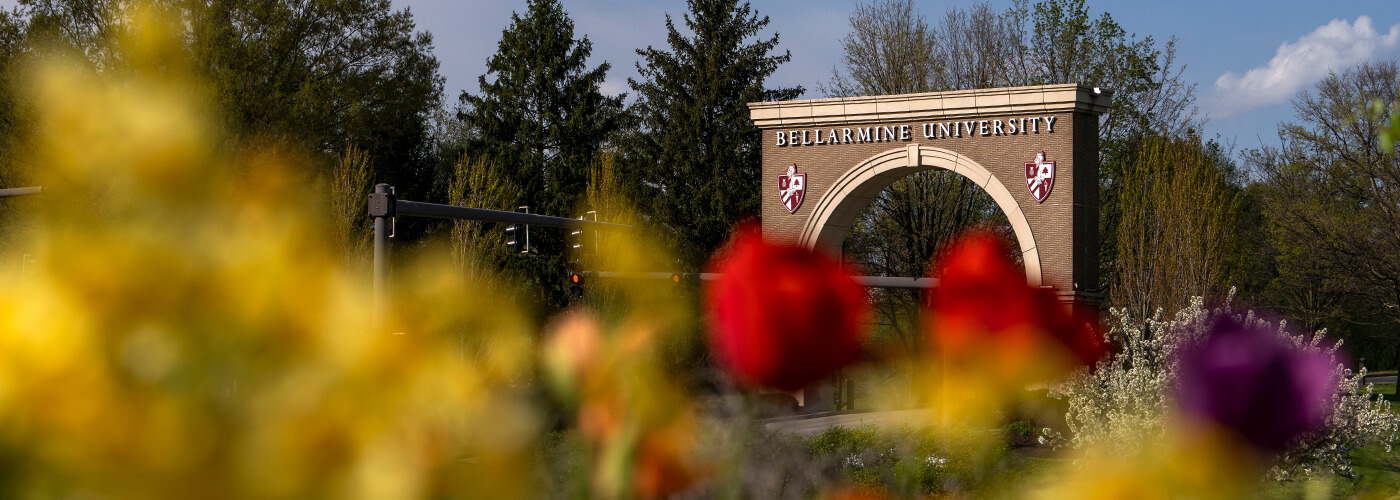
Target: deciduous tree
column 477, row 246
column 1330, row 191
column 325, row 75
column 310, row 75
column 1178, row 214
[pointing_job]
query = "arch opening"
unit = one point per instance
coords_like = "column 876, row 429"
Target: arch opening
column 857, row 187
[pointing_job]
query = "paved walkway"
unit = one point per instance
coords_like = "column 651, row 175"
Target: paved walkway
column 816, row 424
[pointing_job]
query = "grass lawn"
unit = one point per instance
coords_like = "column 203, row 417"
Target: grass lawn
column 1378, row 471
column 1387, row 391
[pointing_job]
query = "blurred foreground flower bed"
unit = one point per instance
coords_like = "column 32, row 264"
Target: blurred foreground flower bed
column 190, row 332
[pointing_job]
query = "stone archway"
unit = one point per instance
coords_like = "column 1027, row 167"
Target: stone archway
column 838, row 208
column 844, row 151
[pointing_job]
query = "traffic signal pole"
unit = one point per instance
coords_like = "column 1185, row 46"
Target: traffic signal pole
column 384, row 206
column 22, row 191
column 381, row 207
column 865, row 281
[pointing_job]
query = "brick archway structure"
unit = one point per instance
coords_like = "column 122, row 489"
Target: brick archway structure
column 833, row 215
column 1033, row 149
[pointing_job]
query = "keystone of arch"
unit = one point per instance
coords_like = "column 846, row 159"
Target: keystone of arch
column 838, row 209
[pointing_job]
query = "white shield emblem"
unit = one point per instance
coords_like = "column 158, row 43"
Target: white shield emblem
column 1040, row 177
column 790, row 188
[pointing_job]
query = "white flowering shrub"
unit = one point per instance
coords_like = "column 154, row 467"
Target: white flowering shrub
column 1123, row 404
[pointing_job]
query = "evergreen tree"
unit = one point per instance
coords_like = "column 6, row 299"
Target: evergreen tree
column 696, row 157
column 542, row 119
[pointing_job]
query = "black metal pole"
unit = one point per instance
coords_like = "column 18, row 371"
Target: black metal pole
column 381, row 207
column 866, row 281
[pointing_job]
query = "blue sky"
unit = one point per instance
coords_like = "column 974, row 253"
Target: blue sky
column 1265, row 50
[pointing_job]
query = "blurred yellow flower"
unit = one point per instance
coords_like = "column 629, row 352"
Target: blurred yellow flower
column 191, row 334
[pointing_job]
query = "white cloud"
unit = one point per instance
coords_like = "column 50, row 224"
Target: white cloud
column 1334, row 46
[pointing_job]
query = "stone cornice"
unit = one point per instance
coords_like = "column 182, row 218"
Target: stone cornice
column 931, row 106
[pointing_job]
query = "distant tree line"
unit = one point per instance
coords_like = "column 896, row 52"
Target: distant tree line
column 1307, row 229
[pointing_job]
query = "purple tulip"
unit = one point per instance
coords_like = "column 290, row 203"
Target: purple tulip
column 1256, row 383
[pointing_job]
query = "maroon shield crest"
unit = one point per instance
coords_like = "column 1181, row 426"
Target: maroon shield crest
column 1040, row 177
column 791, row 187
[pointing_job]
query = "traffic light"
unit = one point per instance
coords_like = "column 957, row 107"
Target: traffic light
column 584, row 241
column 576, row 240
column 518, row 235
column 589, row 238
column 575, row 284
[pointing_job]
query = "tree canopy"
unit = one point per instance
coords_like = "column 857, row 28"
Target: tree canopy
column 1328, row 200
column 540, row 115
column 695, row 155
column 316, row 76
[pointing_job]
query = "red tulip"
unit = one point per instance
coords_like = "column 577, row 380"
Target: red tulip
column 984, row 306
column 783, row 316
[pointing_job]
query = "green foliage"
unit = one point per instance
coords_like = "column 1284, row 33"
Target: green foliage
column 911, row 462
column 1326, row 198
column 13, row 31
column 1392, row 133
column 842, row 439
column 541, row 119
column 1021, row 427
column 323, row 76
column 479, row 247
column 349, row 188
column 1178, row 212
column 695, row 155
column 316, row 77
